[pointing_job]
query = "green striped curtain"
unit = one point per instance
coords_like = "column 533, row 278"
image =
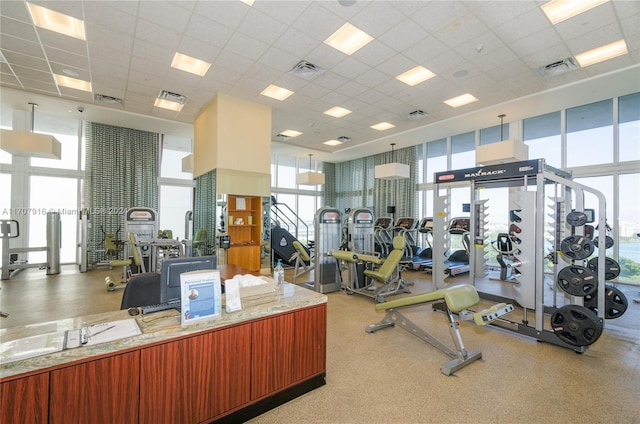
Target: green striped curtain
column 204, row 216
column 122, row 167
column 356, row 186
column 398, row 193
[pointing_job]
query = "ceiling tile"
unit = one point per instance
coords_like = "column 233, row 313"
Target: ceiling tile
column 66, row 58
column 296, row 43
column 375, row 53
column 208, row 31
column 21, row 46
column 157, row 35
column 317, row 22
column 170, row 16
column 18, row 59
column 376, row 18
column 587, row 22
column 229, row 13
column 19, row 29
column 438, row 14
column 260, row 26
column 105, row 38
column 461, row 30
column 602, row 36
column 248, row 47
column 107, row 16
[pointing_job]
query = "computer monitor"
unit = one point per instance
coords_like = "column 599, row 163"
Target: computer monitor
column 173, row 267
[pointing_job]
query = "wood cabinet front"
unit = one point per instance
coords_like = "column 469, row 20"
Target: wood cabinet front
column 100, row 391
column 196, row 379
column 25, row 400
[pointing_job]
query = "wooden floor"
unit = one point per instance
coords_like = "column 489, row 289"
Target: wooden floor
column 392, row 376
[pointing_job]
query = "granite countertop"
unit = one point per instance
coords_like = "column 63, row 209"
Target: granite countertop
column 156, row 327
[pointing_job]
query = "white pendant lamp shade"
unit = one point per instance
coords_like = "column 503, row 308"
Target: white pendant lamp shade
column 25, row 143
column 310, row 177
column 392, row 171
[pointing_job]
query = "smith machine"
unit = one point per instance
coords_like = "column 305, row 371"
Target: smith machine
column 550, row 232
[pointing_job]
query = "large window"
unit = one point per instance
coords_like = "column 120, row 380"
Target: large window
column 463, row 150
column 494, row 134
column 286, row 177
column 174, row 149
column 175, row 201
column 66, row 132
column 542, row 135
column 590, row 134
column 629, row 127
column 63, row 199
column 629, row 227
column 5, row 199
column 436, row 158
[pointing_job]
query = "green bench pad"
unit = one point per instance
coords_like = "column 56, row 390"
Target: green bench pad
column 457, row 298
column 350, row 256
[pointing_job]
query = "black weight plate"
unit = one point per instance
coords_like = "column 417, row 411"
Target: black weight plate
column 608, row 242
column 577, row 218
column 615, row 302
column 577, row 280
column 576, row 247
column 576, row 325
column 611, row 267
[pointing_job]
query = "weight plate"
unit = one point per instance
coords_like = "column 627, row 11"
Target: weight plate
column 576, row 247
column 576, row 218
column 615, row 302
column 608, row 242
column 576, row 325
column 611, row 268
column 577, row 280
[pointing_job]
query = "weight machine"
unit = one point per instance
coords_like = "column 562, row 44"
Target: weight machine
column 327, row 230
column 10, row 229
column 562, row 318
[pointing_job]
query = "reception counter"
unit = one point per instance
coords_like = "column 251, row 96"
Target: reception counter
column 228, row 369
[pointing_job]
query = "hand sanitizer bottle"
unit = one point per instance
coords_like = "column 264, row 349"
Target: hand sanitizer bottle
column 278, row 276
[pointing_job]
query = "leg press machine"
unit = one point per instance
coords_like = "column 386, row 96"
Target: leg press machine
column 453, row 300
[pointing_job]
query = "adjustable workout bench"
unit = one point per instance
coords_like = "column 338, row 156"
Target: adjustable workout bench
column 455, row 300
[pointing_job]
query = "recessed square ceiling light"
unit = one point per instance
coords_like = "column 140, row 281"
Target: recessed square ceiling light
column 74, row 83
column 561, row 10
column 415, row 76
column 382, row 126
column 58, row 22
column 168, row 104
column 249, row 2
column 332, row 143
column 291, row 133
column 462, row 100
column 276, row 92
column 348, row 39
column 190, row 64
column 602, row 53
column 337, row 112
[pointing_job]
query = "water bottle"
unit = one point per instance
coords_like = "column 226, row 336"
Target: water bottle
column 278, row 275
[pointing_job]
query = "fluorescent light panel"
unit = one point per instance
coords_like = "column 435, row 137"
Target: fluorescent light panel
column 415, row 76
column 248, row 2
column 348, row 39
column 337, row 112
column 74, row 83
column 291, row 133
column 382, row 126
column 276, row 92
column 602, row 53
column 57, row 22
column 167, row 104
column 561, row 10
column 462, row 100
column 332, row 143
column 190, row 64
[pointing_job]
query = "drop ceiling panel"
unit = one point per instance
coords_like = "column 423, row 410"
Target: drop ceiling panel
column 489, row 48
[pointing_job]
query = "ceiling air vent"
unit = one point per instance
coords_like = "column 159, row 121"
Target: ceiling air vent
column 281, row 137
column 306, row 70
column 103, row 98
column 417, row 114
column 344, row 139
column 557, row 68
column 172, row 97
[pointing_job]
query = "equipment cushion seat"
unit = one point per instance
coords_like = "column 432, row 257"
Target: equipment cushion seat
column 457, row 298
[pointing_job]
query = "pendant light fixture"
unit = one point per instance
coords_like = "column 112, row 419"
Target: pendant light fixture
column 392, row 171
column 504, row 151
column 25, row 143
column 310, row 177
